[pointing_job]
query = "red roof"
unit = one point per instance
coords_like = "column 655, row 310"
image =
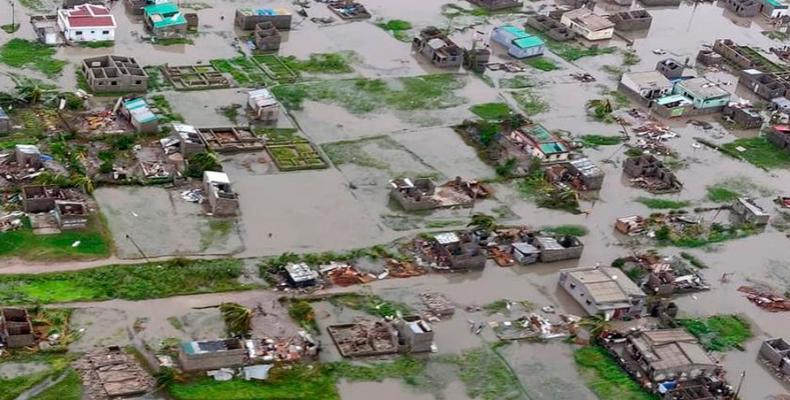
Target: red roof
column 89, row 15
column 77, row 22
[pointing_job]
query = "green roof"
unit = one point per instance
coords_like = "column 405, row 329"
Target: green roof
column 776, row 3
column 164, row 14
column 541, row 134
column 552, row 148
column 527, row 42
column 515, row 31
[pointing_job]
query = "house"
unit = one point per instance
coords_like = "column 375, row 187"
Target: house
column 47, row 29
column 365, row 338
column 189, row 140
column 437, row 48
column 114, row 74
column 164, row 20
column 668, row 355
column 5, row 122
column 414, row 195
column 247, row 18
column 559, row 248
column 743, row 116
column 112, row 373
column 301, row 275
column 38, row 198
column 495, row 5
column 767, row 86
column 749, row 212
column 519, row 44
column 708, row 57
column 743, row 8
column 15, row 328
column 28, row 156
column 266, row 36
column 415, row 335
column 211, row 354
column 777, row 353
column 87, row 23
column 632, row 20
column 458, row 252
column 263, row 105
column 587, row 24
column 779, row 135
column 604, row 290
column 70, row 215
column 590, row 175
column 141, row 117
column 538, row 142
column 650, row 173
column 649, row 85
column 222, row 201
column 524, row 253
column 551, row 27
column 703, row 93
column 670, row 68
column 774, row 8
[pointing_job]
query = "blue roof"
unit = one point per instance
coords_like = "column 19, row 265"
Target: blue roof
column 527, row 42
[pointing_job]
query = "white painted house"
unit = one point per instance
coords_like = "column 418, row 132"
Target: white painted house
column 589, row 25
column 87, row 23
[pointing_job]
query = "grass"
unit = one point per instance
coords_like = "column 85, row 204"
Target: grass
column 487, row 376
column 243, row 70
column 231, row 112
column 566, row 230
column 530, row 103
column 36, row 5
column 302, row 312
column 663, row 204
column 23, row 243
column 353, row 152
column 166, row 113
column 570, row 51
column 98, row 44
column 70, row 388
column 172, row 41
column 370, row 304
column 759, row 151
column 21, row 53
column 719, row 332
column 361, row 96
column 693, row 260
column 398, row 28
column 600, row 140
column 721, row 194
column 605, row 377
column 11, row 388
column 535, row 187
column 132, row 282
column 491, row 111
column 542, row 63
column 321, row 63
column 630, row 58
column 516, row 82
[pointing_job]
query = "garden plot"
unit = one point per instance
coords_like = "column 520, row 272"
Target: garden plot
column 294, row 154
column 243, row 70
column 162, row 223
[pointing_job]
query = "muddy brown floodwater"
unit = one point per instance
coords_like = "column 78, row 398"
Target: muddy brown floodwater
column 318, row 210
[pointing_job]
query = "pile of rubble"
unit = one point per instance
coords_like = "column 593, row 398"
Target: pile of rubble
column 110, row 373
column 403, row 269
column 438, row 305
column 341, row 274
column 765, row 299
column 535, row 326
column 651, row 135
column 11, row 222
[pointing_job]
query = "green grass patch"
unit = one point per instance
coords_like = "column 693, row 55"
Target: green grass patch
column 353, row 152
column 398, row 28
column 516, row 82
column 570, row 50
column 98, row 44
column 9, row 28
column 21, row 53
column 693, row 260
column 174, row 41
column 759, row 151
column 541, row 63
column 11, row 388
column 491, row 111
column 630, row 58
column 719, row 332
column 94, row 243
column 166, row 113
column 360, row 96
column 132, row 282
column 537, row 188
column 321, row 63
column 243, row 70
column 721, row 194
column 370, row 304
column 69, row 388
column 487, row 375
column 600, row 140
column 530, row 103
column 605, row 377
column 566, row 230
column 663, row 204
column 302, row 312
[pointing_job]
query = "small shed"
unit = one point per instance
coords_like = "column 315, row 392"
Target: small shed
column 140, row 116
column 263, row 105
column 525, row 253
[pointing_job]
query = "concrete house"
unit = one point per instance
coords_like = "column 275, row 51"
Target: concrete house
column 650, row 85
column 414, row 194
column 670, row 68
column 38, row 198
column 632, row 20
column 588, row 25
column 5, row 122
column 494, row 5
column 519, row 44
column 537, row 141
column 263, row 106
column 211, row 354
column 114, row 74
column 703, row 93
column 222, row 200
column 140, row 115
column 667, row 355
column 774, row 8
column 15, row 328
column 779, row 135
column 559, row 248
column 743, row 8
column 767, row 86
column 165, row 20
column 70, row 215
column 266, row 37
column 745, row 117
column 47, row 29
column 649, row 172
column 437, row 48
column 777, row 352
column 604, row 290
column 87, row 23
column 28, row 156
column 301, row 275
column 189, row 140
column 415, row 335
column 247, row 18
column 459, row 252
column 749, row 212
column 590, row 174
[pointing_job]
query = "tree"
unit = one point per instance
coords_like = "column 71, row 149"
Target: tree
column 595, row 324
column 238, row 319
column 483, row 222
column 600, row 108
column 33, row 91
column 203, row 161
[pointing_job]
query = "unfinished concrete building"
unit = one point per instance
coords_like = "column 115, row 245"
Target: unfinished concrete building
column 744, row 117
column 38, row 198
column 195, row 77
column 46, row 29
column 422, row 194
column 114, row 74
column 743, row 56
column 437, row 48
column 365, row 338
column 560, row 248
column 551, row 27
column 776, row 352
column 71, row 215
column 476, row 59
column 415, row 335
column 457, row 252
column 266, row 36
column 211, row 354
column 742, row 8
column 248, row 18
column 230, row 139
column 670, row 68
column 111, row 373
column 15, row 328
column 633, row 20
column 494, row 5
column 709, row 57
column 767, row 86
column 222, row 200
column 649, row 173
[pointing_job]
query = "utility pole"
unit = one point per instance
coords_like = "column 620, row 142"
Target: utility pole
column 13, row 19
column 138, row 248
column 738, row 391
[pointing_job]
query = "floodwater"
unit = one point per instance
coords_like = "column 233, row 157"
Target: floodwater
column 319, row 210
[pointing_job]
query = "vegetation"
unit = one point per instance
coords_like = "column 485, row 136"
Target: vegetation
column 570, row 51
column 600, row 109
column 630, row 58
column 90, row 243
column 238, row 319
column 565, row 230
column 166, row 113
column 530, row 103
column 491, row 111
column 483, row 221
column 719, row 332
column 542, row 63
column 11, row 388
column 516, row 82
column 172, row 41
column 21, row 53
column 200, row 162
column 360, row 96
column 398, row 28
column 721, row 194
column 243, row 70
column 487, row 376
column 694, row 236
column 132, row 282
column 693, row 260
column 302, row 312
column 69, row 388
column 663, row 204
column 98, row 44
column 231, row 112
column 759, row 151
column 323, row 63
column 535, row 186
column 370, row 304
column 600, row 140
column 605, row 377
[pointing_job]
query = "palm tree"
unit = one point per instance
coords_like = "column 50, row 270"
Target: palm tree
column 483, row 221
column 600, row 107
column 33, row 91
column 238, row 319
column 596, row 325
column 85, row 182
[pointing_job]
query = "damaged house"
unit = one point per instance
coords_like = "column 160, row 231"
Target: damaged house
column 495, row 5
column 779, row 135
column 46, row 29
column 70, row 215
column 211, row 354
column 743, row 8
column 559, row 248
column 632, row 20
column 437, row 48
column 665, row 276
column 776, row 353
column 406, row 335
column 348, row 10
column 114, row 74
column 38, row 198
column 648, row 172
column 551, row 27
column 456, row 252
column 581, row 174
column 422, row 194
column 185, row 140
column 301, row 275
column 536, row 141
column 203, row 355
column 744, row 116
column 747, row 211
column 266, row 36
column 222, row 201
column 605, row 291
column 16, row 331
column 5, row 122
column 670, row 68
column 111, row 373
column 165, row 20
column 28, row 156
column 230, row 139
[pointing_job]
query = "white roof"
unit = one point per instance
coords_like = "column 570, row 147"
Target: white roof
column 28, row 149
column 216, row 177
column 447, row 238
column 184, row 128
column 262, row 98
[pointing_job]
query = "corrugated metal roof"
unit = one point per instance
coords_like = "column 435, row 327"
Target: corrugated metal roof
column 527, row 42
